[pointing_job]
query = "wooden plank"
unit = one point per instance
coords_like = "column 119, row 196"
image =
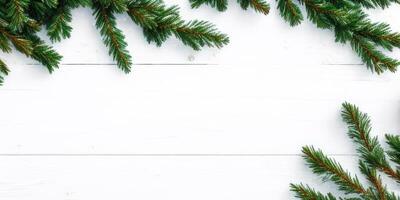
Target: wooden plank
column 254, row 39
column 149, row 178
column 190, row 109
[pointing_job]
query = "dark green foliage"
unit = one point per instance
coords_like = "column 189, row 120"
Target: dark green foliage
column 20, row 20
column 112, row 36
column 290, row 12
column 258, row 5
column 372, row 159
column 305, row 192
column 345, row 18
column 160, row 22
column 3, row 71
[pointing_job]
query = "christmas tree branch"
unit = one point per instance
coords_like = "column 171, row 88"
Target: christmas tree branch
column 307, row 193
column 331, row 170
column 260, row 6
column 394, row 144
column 112, row 36
column 160, row 22
column 371, row 152
column 372, row 159
column 3, row 71
column 346, row 19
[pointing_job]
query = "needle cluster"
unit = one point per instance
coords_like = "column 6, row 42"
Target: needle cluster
column 21, row 20
column 373, row 162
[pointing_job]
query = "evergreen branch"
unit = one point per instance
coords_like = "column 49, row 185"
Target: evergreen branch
column 118, row 6
column 329, row 169
column 44, row 54
column 372, row 160
column 58, row 27
column 145, row 12
column 375, row 60
column 198, row 34
column 112, row 37
column 260, row 6
column 369, row 148
column 394, row 144
column 221, row 5
column 4, row 43
column 374, row 179
column 306, row 193
column 290, row 12
column 21, row 44
column 160, row 22
column 16, row 13
column 379, row 33
column 3, row 71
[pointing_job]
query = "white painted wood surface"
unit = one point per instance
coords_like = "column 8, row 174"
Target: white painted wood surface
column 215, row 124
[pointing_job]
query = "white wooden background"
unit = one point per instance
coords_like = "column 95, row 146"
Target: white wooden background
column 215, row 124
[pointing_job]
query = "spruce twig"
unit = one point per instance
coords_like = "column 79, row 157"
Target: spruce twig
column 345, row 18
column 21, row 20
column 372, row 158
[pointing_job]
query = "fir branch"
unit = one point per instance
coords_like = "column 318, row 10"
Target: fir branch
column 372, row 160
column 306, row 193
column 260, row 6
column 16, row 13
column 375, row 180
column 145, row 12
column 112, row 36
column 160, row 22
column 3, row 71
column 197, row 34
column 221, row 5
column 58, row 26
column 379, row 33
column 290, row 12
column 394, row 143
column 371, row 152
column 329, row 169
column 21, row 44
column 118, row 6
column 44, row 54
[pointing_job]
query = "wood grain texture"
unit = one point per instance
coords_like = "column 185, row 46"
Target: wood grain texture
column 214, row 124
column 148, row 178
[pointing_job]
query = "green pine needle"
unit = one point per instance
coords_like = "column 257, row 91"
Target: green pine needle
column 58, row 27
column 112, row 37
column 307, row 193
column 3, row 71
column 372, row 158
column 290, row 12
column 221, row 5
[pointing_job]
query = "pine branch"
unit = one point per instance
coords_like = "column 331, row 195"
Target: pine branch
column 260, row 6
column 375, row 180
column 160, row 22
column 394, row 153
column 44, row 54
column 221, row 5
column 290, row 12
column 3, row 71
column 307, row 193
column 375, row 60
column 329, row 169
column 112, row 36
column 21, row 44
column 371, row 152
column 346, row 18
column 16, row 13
column 372, row 160
column 58, row 27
